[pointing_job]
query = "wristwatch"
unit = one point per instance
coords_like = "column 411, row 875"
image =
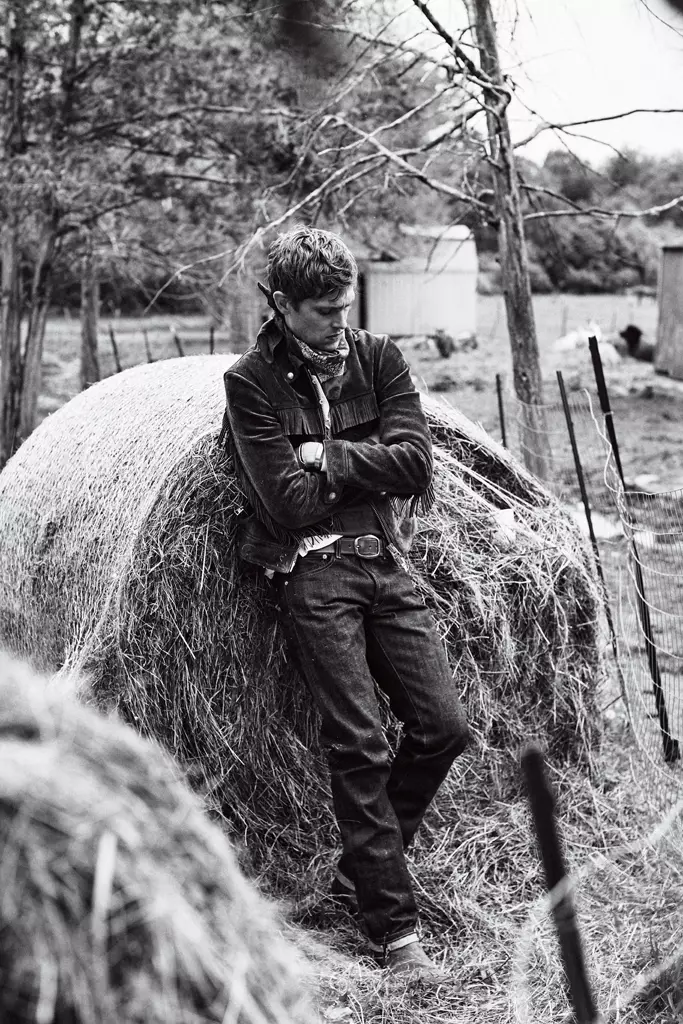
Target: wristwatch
column 307, row 463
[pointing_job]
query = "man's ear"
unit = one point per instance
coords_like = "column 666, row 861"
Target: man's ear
column 284, row 305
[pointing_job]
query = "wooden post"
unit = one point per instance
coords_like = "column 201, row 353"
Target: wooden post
column 526, row 366
column 177, row 342
column 90, row 295
column 148, row 351
column 115, row 349
column 542, row 804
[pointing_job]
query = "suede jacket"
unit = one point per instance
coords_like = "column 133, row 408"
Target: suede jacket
column 271, row 408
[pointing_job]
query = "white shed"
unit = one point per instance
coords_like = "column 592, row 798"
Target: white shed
column 423, row 294
column 669, row 350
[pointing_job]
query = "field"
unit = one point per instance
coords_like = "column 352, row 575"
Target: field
column 631, row 893
column 466, row 379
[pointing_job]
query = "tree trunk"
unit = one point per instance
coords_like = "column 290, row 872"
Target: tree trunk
column 90, row 302
column 41, row 291
column 11, row 372
column 12, row 143
column 514, row 262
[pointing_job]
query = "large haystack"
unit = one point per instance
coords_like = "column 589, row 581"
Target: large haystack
column 117, row 519
column 121, row 903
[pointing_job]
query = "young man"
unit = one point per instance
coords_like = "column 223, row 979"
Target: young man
column 333, row 451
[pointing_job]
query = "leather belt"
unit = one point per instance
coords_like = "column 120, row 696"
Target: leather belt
column 366, row 546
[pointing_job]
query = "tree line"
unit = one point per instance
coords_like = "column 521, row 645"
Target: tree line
column 150, row 148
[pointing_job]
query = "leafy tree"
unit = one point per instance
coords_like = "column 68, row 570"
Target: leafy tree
column 571, row 177
column 116, row 117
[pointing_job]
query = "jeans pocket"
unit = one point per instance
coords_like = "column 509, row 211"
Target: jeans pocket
column 309, row 565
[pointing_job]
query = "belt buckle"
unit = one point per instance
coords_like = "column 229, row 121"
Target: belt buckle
column 359, row 546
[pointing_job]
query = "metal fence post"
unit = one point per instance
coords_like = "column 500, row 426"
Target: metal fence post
column 589, row 519
column 670, row 745
column 542, row 804
column 501, row 409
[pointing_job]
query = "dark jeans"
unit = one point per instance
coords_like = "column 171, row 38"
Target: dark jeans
column 353, row 622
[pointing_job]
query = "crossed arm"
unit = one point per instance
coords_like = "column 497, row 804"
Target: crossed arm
column 295, row 497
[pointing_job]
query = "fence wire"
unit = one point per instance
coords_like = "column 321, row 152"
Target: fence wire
column 638, row 540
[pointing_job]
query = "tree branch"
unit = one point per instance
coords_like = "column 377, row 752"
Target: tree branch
column 475, row 73
column 391, row 124
column 110, row 126
column 597, row 211
column 415, row 172
column 556, row 126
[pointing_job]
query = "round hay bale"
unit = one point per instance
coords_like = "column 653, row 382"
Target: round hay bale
column 117, row 519
column 121, row 903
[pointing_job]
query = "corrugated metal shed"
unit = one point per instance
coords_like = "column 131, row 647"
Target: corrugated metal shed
column 423, row 294
column 669, row 349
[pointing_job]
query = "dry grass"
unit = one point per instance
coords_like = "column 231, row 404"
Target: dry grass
column 120, row 524
column 485, row 913
column 120, row 903
column 120, row 564
column 119, row 514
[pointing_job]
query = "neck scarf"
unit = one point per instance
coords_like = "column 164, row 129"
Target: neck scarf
column 324, row 364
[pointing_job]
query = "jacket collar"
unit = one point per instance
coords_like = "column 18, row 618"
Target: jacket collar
column 273, row 333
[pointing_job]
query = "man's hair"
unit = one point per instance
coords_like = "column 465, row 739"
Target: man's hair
column 307, row 263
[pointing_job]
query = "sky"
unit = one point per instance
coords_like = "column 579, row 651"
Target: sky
column 578, row 59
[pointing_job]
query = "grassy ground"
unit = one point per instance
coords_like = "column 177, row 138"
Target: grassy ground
column 484, row 918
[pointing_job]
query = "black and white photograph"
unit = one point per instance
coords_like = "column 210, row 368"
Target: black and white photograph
column 341, row 511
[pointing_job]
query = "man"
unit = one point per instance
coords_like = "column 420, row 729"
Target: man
column 333, row 451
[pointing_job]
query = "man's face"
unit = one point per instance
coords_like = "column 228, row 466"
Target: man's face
column 318, row 322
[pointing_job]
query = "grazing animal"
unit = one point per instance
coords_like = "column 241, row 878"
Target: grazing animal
column 631, row 335
column 578, row 338
column 637, row 346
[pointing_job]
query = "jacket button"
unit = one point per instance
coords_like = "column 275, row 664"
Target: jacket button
column 290, row 375
column 332, row 495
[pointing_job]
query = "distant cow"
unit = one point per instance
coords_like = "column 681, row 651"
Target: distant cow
column 576, row 340
column 637, row 346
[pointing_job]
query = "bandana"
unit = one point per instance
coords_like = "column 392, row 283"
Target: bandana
column 325, row 364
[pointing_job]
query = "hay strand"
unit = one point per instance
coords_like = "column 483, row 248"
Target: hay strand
column 120, row 903
column 117, row 520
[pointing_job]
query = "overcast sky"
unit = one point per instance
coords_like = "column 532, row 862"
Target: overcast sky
column 576, row 59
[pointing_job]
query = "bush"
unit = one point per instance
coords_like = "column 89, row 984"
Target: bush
column 585, row 281
column 540, row 282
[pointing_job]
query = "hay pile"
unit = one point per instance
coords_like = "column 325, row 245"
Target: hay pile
column 117, row 519
column 120, row 903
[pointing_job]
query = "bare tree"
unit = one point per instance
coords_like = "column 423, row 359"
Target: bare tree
column 90, row 301
column 514, row 261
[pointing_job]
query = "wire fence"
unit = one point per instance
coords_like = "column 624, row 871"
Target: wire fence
column 637, row 538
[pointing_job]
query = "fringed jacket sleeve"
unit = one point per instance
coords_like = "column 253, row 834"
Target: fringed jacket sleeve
column 267, row 464
column 401, row 463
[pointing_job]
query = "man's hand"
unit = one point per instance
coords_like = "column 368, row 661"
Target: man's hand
column 311, row 454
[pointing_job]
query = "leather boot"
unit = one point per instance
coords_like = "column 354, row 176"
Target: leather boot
column 412, row 960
